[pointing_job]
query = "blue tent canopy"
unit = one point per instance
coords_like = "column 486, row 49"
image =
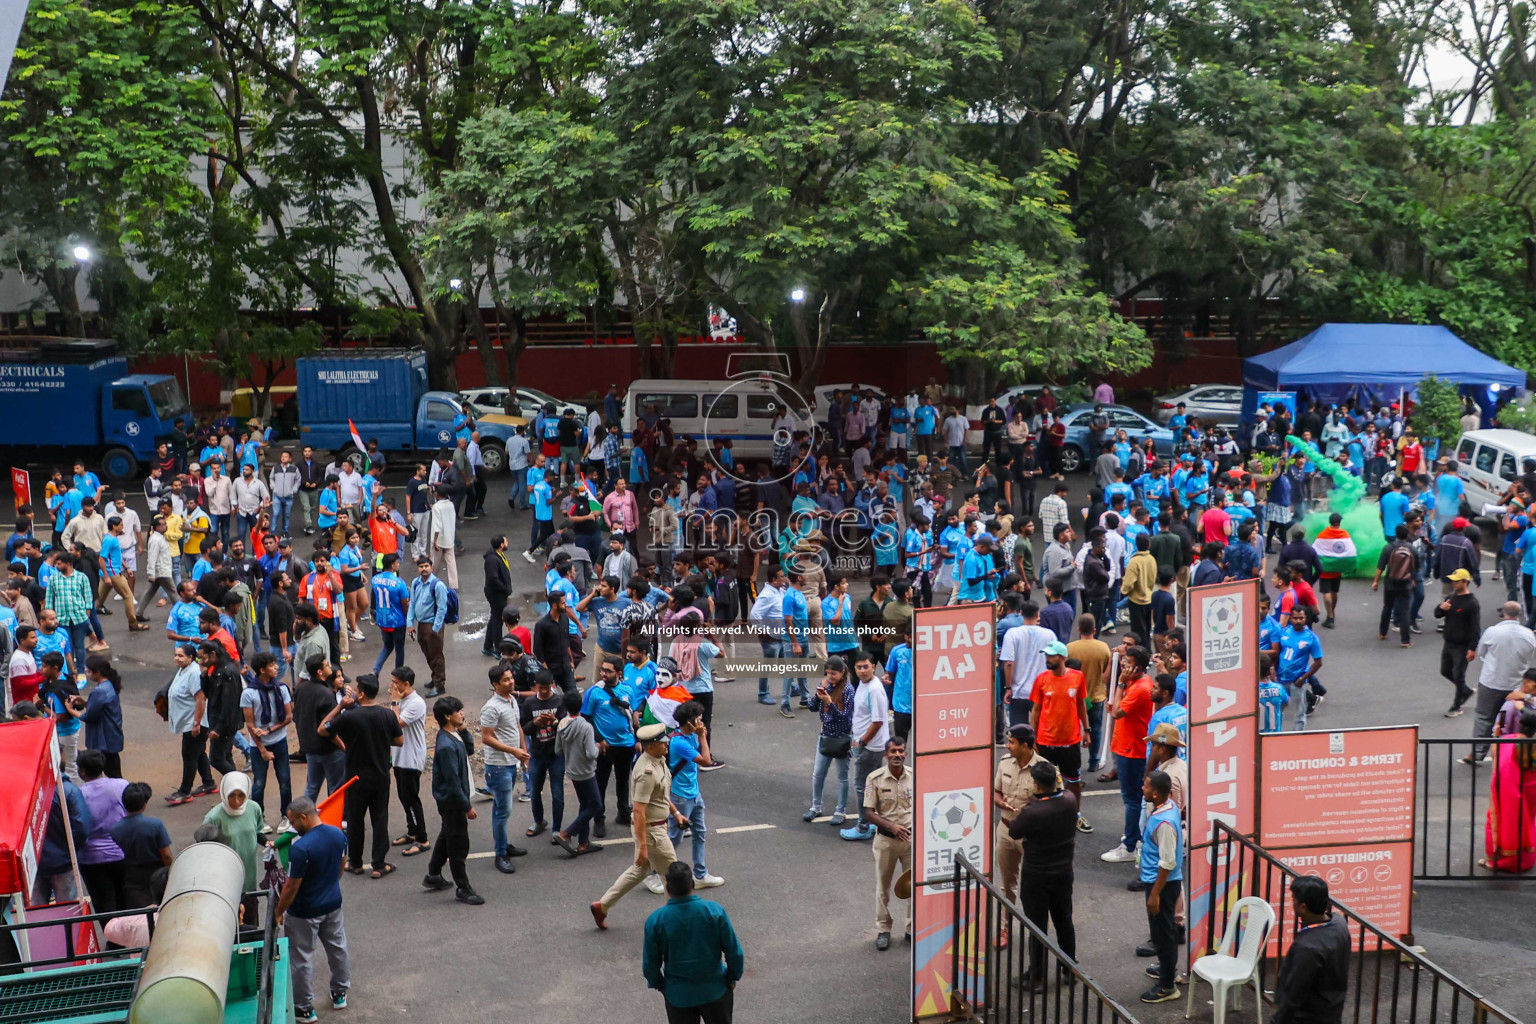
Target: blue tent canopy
column 1383, row 361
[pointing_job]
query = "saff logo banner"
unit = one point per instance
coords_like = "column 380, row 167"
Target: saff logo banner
column 1221, row 643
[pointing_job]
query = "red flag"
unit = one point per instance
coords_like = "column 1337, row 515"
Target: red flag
column 357, row 439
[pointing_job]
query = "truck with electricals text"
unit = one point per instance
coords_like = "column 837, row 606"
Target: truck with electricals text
column 68, row 399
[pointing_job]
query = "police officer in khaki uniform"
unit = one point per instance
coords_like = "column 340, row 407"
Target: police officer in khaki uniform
column 888, row 806
column 1012, row 790
column 649, row 787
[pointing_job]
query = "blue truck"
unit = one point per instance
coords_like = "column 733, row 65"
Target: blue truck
column 383, row 393
column 72, row 399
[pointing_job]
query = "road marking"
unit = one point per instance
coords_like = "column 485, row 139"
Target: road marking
column 625, row 840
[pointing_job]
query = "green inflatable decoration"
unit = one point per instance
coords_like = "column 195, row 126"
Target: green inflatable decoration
column 1361, row 518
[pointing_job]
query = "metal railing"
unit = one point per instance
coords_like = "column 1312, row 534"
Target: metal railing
column 1453, row 809
column 1000, row 985
column 1389, row 982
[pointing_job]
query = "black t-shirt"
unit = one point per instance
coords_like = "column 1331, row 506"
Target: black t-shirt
column 312, row 701
column 212, row 589
column 541, row 739
column 279, row 616
column 1049, row 830
column 368, row 731
column 569, row 432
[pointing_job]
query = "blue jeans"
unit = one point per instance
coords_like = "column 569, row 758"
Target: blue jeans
column 499, row 779
column 330, row 768
column 1131, row 770
column 1095, row 733
column 393, row 640
column 281, row 653
column 551, row 767
column 279, row 763
column 1417, row 602
column 957, row 456
column 79, row 636
column 819, row 780
column 518, row 496
column 590, row 802
column 282, row 515
column 693, row 810
column 220, row 529
column 244, row 524
column 772, row 648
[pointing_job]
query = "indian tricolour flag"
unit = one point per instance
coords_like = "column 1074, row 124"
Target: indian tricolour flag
column 357, row 439
column 661, row 706
column 1335, row 550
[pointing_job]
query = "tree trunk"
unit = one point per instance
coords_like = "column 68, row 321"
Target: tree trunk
column 60, row 281
column 514, row 346
column 476, row 319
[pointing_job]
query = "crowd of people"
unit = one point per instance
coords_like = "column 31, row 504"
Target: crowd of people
column 647, row 570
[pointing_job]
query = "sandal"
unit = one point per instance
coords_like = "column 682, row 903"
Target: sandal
column 356, row 871
column 400, row 841
column 387, row 869
column 537, row 830
column 415, row 848
column 1109, row 776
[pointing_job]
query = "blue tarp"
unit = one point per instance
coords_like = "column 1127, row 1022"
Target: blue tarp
column 1378, row 362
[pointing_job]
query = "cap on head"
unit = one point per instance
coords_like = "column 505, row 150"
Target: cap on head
column 1459, row 523
column 650, row 733
column 1459, row 575
column 1055, row 647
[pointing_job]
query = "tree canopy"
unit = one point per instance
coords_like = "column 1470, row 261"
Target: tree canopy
column 990, row 175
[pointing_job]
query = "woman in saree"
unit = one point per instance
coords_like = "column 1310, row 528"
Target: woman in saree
column 1510, row 837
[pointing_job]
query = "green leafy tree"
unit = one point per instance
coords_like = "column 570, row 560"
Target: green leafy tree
column 1438, row 412
column 103, row 108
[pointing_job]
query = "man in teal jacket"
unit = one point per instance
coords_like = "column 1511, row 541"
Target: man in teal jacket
column 685, row 944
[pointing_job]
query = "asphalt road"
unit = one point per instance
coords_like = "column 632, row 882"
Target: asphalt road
column 801, row 899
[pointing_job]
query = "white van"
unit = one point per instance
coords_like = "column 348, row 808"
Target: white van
column 710, row 411
column 1490, row 461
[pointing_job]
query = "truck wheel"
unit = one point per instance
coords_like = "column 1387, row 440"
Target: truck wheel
column 119, row 465
column 494, row 456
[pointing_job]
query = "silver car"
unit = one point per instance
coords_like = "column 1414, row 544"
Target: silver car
column 1221, row 404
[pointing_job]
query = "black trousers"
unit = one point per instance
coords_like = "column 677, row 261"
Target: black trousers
column 105, row 884
column 1453, row 666
column 136, row 890
column 194, row 759
column 708, row 700
column 615, row 761
column 114, row 768
column 219, row 756
column 717, row 1012
column 408, row 786
column 452, row 846
column 359, row 799
column 1141, row 620
column 902, row 725
column 1395, row 602
column 492, row 643
column 1165, row 933
column 1048, row 897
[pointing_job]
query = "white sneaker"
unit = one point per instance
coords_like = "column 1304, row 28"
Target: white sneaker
column 265, row 829
column 528, row 557
column 286, row 826
column 357, row 634
column 708, row 882
column 654, row 883
column 1119, row 855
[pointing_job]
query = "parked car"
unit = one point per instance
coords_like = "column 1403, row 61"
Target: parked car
column 1221, row 404
column 1077, row 452
column 490, row 400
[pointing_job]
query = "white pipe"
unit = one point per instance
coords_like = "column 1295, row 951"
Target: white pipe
column 186, row 967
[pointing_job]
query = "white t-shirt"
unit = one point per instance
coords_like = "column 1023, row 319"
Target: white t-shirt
column 131, row 526
column 870, row 705
column 1025, row 646
column 412, row 751
column 349, row 488
column 955, row 428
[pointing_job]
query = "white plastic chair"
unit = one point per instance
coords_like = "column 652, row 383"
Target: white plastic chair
column 1226, row 973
